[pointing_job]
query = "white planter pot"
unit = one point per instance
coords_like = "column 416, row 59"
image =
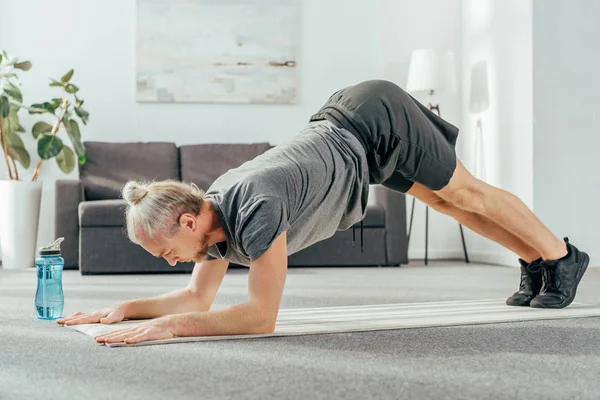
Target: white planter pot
column 19, row 221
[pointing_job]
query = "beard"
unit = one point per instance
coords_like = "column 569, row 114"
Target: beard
column 201, row 252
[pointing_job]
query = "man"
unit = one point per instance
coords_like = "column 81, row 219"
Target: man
column 302, row 192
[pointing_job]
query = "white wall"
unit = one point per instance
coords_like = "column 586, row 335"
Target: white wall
column 500, row 32
column 566, row 88
column 343, row 42
column 410, row 25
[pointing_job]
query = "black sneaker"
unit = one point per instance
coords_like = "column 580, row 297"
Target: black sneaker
column 560, row 279
column 531, row 283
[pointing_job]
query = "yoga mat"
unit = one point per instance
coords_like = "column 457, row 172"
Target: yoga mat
column 310, row 321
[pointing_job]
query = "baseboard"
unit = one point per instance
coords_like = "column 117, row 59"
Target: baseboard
column 504, row 259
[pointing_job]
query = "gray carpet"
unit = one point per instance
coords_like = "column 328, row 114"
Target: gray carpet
column 544, row 360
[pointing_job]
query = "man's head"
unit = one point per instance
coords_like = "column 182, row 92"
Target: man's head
column 168, row 219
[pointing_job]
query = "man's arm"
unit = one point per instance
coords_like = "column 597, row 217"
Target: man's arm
column 197, row 296
column 266, row 281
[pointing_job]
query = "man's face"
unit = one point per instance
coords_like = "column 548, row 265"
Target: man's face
column 188, row 244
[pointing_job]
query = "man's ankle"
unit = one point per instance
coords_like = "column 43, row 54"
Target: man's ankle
column 532, row 257
column 559, row 252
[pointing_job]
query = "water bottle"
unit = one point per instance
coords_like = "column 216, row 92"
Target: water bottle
column 49, row 297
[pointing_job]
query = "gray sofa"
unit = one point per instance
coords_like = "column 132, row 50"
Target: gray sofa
column 90, row 212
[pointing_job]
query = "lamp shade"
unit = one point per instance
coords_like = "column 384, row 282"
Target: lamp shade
column 431, row 70
column 480, row 97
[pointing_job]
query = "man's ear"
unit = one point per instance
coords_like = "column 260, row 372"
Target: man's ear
column 188, row 221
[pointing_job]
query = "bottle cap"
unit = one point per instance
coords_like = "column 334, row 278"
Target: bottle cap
column 53, row 249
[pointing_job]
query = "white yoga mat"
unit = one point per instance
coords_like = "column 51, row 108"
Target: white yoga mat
column 309, row 321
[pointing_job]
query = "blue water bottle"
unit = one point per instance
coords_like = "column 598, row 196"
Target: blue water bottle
column 49, row 297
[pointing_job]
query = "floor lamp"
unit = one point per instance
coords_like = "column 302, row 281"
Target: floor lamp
column 479, row 101
column 432, row 72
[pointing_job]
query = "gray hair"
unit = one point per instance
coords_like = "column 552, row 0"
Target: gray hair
column 155, row 207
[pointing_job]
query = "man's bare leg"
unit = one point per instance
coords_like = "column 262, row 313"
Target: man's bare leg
column 476, row 222
column 503, row 208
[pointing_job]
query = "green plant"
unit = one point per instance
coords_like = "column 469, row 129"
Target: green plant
column 64, row 111
column 10, row 103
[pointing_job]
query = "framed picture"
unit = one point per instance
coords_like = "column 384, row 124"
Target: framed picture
column 217, row 51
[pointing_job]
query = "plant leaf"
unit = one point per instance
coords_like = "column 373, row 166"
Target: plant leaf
column 67, row 77
column 66, row 160
column 21, row 155
column 67, row 115
column 24, row 65
column 56, row 83
column 4, row 106
column 84, row 115
column 72, row 129
column 21, row 129
column 49, row 146
column 14, row 140
column 13, row 76
column 40, row 108
column 14, row 92
column 16, row 149
column 56, row 102
column 78, row 102
column 11, row 122
column 37, row 108
column 41, row 127
column 70, row 88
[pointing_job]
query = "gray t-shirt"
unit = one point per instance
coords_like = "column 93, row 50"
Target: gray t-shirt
column 310, row 187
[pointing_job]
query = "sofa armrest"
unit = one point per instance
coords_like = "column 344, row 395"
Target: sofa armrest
column 69, row 193
column 394, row 204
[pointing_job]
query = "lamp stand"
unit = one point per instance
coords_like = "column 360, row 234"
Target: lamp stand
column 462, row 236
column 479, row 152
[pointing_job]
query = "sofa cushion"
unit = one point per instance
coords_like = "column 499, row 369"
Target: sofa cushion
column 375, row 217
column 102, row 213
column 202, row 164
column 110, row 165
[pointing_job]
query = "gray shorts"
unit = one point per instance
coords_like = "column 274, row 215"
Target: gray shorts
column 404, row 141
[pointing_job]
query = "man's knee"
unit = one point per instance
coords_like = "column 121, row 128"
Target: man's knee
column 464, row 191
column 469, row 198
column 439, row 204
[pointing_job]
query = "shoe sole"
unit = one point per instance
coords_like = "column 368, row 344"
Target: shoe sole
column 517, row 304
column 569, row 300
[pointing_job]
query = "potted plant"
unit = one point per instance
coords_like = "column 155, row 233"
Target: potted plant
column 20, row 199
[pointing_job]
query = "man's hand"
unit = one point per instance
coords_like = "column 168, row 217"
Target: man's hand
column 156, row 329
column 266, row 281
column 197, row 296
column 108, row 315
